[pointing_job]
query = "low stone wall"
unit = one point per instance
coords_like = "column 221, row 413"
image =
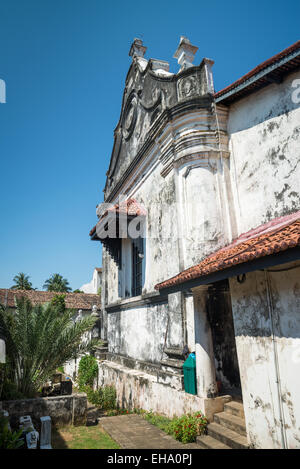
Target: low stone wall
column 63, row 410
column 139, row 390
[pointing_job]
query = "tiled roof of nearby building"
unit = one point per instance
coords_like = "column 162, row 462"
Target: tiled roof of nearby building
column 99, row 269
column 278, row 235
column 84, row 301
column 263, row 74
column 129, row 207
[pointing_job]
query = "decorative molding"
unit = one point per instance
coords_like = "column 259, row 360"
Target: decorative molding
column 167, row 116
column 187, row 87
column 130, row 117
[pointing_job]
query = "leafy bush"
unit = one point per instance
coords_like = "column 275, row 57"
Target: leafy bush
column 58, row 301
column 104, row 398
column 187, row 427
column 39, row 339
column 109, row 397
column 9, row 439
column 10, row 391
column 87, row 372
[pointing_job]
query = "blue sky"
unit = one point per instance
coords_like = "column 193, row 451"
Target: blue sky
column 64, row 63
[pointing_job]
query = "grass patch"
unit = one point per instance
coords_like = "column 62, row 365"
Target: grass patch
column 158, row 420
column 93, row 437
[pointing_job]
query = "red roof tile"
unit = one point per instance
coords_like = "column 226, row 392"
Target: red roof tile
column 278, row 235
column 84, row 301
column 128, row 207
column 260, row 67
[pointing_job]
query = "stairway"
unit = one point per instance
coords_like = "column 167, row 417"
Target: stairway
column 228, row 430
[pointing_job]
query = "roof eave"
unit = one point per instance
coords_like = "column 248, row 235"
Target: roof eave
column 262, row 263
column 258, row 76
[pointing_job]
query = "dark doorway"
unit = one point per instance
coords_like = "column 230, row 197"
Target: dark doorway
column 222, row 328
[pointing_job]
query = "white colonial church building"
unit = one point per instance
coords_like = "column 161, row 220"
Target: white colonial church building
column 201, row 246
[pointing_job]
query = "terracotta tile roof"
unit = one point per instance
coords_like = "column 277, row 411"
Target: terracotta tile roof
column 278, row 235
column 271, row 61
column 93, row 230
column 84, row 301
column 129, row 207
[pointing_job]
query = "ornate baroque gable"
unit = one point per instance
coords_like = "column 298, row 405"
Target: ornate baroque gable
column 151, row 91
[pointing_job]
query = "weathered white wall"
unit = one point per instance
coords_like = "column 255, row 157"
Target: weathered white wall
column 264, row 132
column 138, row 332
column 93, row 285
column 258, row 319
column 139, row 390
column 182, row 196
column 228, row 194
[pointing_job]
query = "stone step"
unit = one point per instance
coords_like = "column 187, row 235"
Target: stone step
column 227, row 436
column 235, row 408
column 208, row 442
column 172, row 363
column 232, row 422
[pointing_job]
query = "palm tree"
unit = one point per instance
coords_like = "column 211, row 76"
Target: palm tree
column 57, row 283
column 22, row 282
column 39, row 339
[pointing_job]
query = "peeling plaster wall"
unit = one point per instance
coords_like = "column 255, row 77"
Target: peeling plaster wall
column 158, row 196
column 184, row 223
column 138, row 332
column 139, row 390
column 264, row 131
column 201, row 213
column 263, row 362
column 148, row 323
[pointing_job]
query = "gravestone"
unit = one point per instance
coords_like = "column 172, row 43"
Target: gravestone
column 45, row 441
column 25, row 422
column 32, row 439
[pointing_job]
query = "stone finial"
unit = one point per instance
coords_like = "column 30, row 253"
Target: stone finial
column 137, row 49
column 79, row 315
column 185, row 53
column 94, row 311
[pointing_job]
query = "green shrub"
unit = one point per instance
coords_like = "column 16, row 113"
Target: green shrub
column 9, row 439
column 87, row 372
column 10, row 391
column 187, row 427
column 58, row 301
column 104, row 398
column 109, row 397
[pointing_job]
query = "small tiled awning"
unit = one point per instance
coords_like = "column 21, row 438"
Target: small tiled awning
column 118, row 216
column 278, row 236
column 130, row 208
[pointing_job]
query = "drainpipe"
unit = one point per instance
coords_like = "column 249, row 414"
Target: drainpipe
column 278, row 382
